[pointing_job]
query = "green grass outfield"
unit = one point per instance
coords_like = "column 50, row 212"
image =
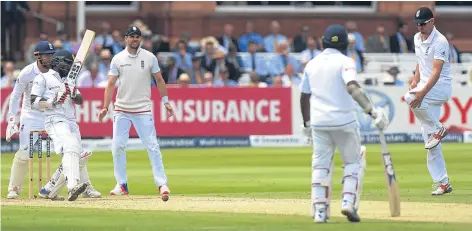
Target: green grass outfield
column 248, row 189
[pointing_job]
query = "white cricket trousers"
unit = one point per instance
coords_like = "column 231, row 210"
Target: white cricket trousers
column 65, row 135
column 325, row 141
column 144, row 125
column 429, row 115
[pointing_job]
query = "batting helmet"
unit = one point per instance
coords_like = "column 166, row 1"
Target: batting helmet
column 62, row 62
column 335, row 36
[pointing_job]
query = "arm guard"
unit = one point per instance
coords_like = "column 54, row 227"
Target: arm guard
column 40, row 104
column 359, row 96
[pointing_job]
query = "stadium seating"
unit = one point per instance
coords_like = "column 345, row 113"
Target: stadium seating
column 378, row 63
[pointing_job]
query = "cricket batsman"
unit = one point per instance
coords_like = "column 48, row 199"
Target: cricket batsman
column 135, row 68
column 31, row 120
column 430, row 88
column 328, row 88
column 50, row 93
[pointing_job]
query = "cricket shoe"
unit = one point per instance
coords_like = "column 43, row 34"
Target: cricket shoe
column 90, row 192
column 14, row 193
column 76, row 191
column 435, row 139
column 441, row 189
column 120, row 189
column 164, row 191
column 348, row 210
column 320, row 213
column 44, row 194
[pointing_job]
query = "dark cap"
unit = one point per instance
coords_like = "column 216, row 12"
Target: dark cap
column 422, row 15
column 133, row 30
column 335, row 36
column 44, row 47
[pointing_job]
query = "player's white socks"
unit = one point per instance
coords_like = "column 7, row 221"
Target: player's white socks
column 70, row 163
column 436, row 163
column 18, row 172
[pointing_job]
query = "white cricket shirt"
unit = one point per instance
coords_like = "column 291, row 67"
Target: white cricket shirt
column 23, row 86
column 135, row 73
column 46, row 85
column 325, row 78
column 435, row 47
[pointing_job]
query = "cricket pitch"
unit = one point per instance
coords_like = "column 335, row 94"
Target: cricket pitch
column 410, row 211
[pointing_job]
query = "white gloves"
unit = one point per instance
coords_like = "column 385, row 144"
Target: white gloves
column 12, row 127
column 73, row 90
column 380, row 118
column 60, row 98
column 307, row 135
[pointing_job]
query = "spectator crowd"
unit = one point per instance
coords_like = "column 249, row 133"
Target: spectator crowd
column 251, row 60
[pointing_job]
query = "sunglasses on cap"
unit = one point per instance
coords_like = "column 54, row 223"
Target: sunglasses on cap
column 424, row 23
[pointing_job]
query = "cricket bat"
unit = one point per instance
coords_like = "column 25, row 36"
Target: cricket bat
column 80, row 57
column 391, row 180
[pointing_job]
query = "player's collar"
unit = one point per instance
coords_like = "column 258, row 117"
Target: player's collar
column 331, row 50
column 36, row 67
column 431, row 36
column 131, row 55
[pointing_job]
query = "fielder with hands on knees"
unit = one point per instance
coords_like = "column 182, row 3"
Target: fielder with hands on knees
column 430, row 88
column 328, row 86
column 134, row 67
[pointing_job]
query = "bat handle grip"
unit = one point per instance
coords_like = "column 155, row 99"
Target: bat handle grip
column 383, row 143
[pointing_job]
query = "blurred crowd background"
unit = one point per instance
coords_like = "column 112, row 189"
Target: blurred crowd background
column 252, row 59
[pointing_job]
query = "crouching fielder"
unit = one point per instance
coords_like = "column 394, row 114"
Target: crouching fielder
column 328, row 87
column 29, row 119
column 53, row 96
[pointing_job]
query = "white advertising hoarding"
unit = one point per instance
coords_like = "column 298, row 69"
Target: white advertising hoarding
column 456, row 114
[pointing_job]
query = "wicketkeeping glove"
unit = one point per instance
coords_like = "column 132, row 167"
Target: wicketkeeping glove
column 12, row 127
column 380, row 118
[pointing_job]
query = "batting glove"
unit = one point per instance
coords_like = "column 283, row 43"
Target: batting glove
column 307, row 135
column 12, row 127
column 59, row 98
column 380, row 118
column 74, row 91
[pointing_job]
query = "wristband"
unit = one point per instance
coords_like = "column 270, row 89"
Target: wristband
column 165, row 99
column 106, row 108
